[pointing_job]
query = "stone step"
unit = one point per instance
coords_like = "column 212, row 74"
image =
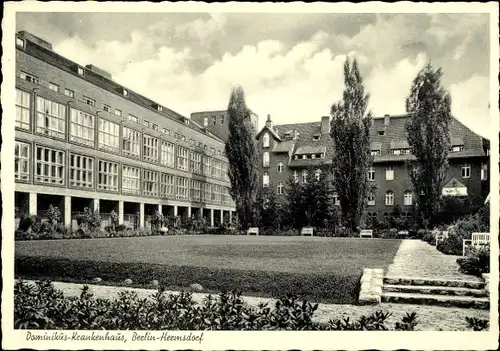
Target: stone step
column 434, row 282
column 437, row 300
column 434, row 290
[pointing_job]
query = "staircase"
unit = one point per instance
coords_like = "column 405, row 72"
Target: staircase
column 439, row 292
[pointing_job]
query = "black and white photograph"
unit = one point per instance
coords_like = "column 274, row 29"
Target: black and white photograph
column 172, row 170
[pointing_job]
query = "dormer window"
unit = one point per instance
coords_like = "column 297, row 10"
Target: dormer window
column 316, row 137
column 296, row 157
column 20, row 42
column 375, row 153
column 457, row 148
column 304, row 157
column 313, row 156
column 381, row 132
column 125, row 92
column 159, row 108
column 186, row 121
column 80, row 71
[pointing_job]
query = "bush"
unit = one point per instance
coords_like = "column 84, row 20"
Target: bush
column 41, row 306
column 476, row 262
column 477, row 324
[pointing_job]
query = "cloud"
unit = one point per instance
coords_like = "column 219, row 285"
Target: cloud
column 203, row 30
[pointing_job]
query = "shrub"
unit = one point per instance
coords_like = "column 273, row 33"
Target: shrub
column 477, row 324
column 476, row 262
column 41, row 306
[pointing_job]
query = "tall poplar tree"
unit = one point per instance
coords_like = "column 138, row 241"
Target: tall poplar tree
column 350, row 130
column 241, row 151
column 428, row 134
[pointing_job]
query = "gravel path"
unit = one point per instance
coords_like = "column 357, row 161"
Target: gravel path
column 431, row 318
column 418, row 259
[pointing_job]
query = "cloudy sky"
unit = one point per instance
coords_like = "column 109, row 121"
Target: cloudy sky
column 290, row 65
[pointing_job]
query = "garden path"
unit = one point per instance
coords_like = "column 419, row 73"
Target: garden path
column 418, row 259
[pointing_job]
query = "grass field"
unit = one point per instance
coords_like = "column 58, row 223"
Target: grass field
column 319, row 269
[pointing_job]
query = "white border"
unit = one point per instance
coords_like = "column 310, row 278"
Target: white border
column 248, row 340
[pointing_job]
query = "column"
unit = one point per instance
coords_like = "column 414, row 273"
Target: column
column 230, row 216
column 221, row 216
column 120, row 212
column 141, row 215
column 211, row 217
column 189, row 212
column 95, row 205
column 67, row 211
column 200, row 213
column 160, row 208
column 175, row 210
column 33, row 204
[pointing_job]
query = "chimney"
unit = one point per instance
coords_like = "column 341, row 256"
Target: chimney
column 387, row 120
column 325, row 124
column 269, row 123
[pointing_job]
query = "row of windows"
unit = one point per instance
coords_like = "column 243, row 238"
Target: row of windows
column 213, row 120
column 406, row 151
column 51, row 122
column 50, row 168
column 465, row 172
column 23, row 102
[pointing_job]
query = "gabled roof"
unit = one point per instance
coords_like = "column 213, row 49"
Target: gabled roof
column 274, row 134
column 454, row 183
column 284, row 146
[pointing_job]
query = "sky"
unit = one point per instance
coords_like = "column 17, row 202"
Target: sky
column 289, row 65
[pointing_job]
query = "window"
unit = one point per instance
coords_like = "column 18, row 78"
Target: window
column 183, row 138
column 218, row 152
column 212, row 150
column 106, row 108
column 195, row 162
column 80, row 71
column 389, row 173
column 69, row 93
column 214, row 120
column 23, row 109
column 29, row 77
column 313, row 156
column 224, row 171
column 280, row 167
column 150, row 148
column 265, row 159
column 466, row 170
column 81, row 127
column 207, row 165
column 159, row 108
column 389, row 198
column 50, row 166
column 265, row 140
column 20, row 42
column 118, row 112
column 371, row 174
column 131, row 143
column 316, row 137
column 108, row 176
column 381, row 132
column 131, row 180
column 182, row 158
column 216, row 169
column 457, row 148
column 375, row 152
column 221, row 119
column 216, row 193
column 335, row 199
column 304, row 176
column 371, row 199
column 317, row 174
column 207, row 193
column 109, row 136
column 280, row 188
column 265, row 179
column 176, row 135
column 81, row 171
column 150, row 183
column 191, row 142
column 304, row 157
column 195, row 190
column 167, row 154
column 226, row 196
column 51, row 118
column 396, row 152
column 295, row 177
column 22, row 161
column 146, row 123
column 125, row 92
column 182, row 188
column 155, row 126
column 166, row 131
column 167, row 186
column 408, row 198
column 133, row 118
column 205, row 121
column 89, row 101
column 54, row 87
column 484, row 171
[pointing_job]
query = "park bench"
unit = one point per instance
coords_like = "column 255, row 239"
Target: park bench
column 253, row 231
column 440, row 236
column 477, row 240
column 368, row 233
column 403, row 233
column 307, row 231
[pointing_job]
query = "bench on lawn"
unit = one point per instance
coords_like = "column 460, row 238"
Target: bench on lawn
column 404, row 232
column 307, row 231
column 368, row 233
column 440, row 235
column 253, row 231
column 476, row 240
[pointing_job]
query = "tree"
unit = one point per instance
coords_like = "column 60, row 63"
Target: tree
column 427, row 132
column 241, row 151
column 270, row 210
column 350, row 130
column 294, row 203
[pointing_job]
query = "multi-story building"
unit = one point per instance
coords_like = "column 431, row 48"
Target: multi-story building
column 83, row 140
column 290, row 150
column 217, row 122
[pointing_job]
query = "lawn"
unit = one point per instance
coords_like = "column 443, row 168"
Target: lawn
column 319, row 269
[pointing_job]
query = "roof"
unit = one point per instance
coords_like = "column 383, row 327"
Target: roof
column 400, row 144
column 454, row 183
column 375, row 146
column 310, row 149
column 284, row 146
column 272, row 131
